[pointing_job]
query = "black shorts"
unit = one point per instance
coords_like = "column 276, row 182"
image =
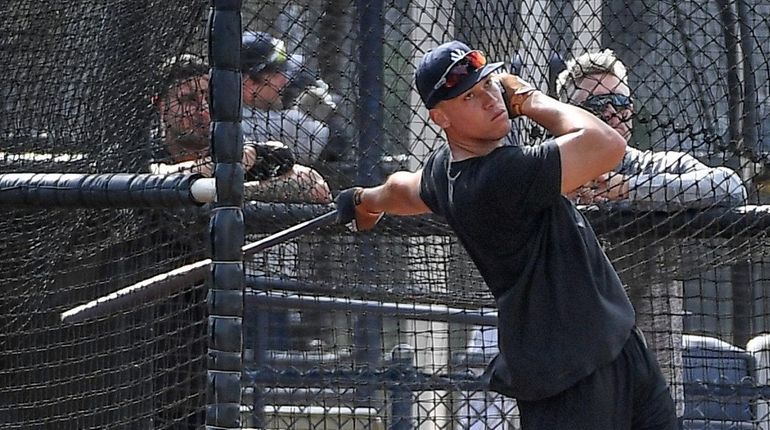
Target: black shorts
column 629, row 393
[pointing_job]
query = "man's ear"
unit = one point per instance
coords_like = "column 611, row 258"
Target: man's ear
column 439, row 117
column 247, row 83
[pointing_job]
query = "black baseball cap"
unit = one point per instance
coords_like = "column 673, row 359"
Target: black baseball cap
column 260, row 51
column 449, row 70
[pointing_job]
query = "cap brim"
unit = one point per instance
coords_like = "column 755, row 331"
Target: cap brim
column 472, row 80
column 292, row 66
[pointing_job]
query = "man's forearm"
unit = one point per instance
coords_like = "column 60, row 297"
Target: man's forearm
column 300, row 185
column 559, row 118
column 204, row 167
column 399, row 195
column 697, row 189
column 286, row 191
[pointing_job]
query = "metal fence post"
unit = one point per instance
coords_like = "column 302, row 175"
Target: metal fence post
column 258, row 360
column 402, row 358
column 368, row 329
column 556, row 65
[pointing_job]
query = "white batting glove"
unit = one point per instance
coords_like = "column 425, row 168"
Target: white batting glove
column 316, row 101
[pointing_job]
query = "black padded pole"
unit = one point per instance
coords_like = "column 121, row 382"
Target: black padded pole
column 225, row 297
column 106, row 190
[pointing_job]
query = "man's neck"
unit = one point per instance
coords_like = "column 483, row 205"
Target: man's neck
column 465, row 150
column 251, row 102
column 250, row 99
column 261, row 105
column 181, row 151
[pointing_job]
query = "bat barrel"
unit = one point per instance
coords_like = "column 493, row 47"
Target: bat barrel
column 290, row 233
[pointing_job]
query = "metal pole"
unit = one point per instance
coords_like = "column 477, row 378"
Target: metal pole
column 424, row 312
column 730, row 28
column 402, row 357
column 368, row 329
column 370, row 91
column 741, row 280
column 750, row 123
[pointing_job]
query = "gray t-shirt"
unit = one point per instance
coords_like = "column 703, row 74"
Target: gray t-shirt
column 562, row 310
column 306, row 136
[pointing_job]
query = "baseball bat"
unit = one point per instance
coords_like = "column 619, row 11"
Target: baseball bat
column 164, row 284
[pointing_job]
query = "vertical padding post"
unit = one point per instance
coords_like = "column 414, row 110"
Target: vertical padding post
column 225, row 333
column 226, row 286
column 226, row 225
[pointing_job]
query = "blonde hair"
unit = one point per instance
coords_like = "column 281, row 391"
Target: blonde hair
column 590, row 63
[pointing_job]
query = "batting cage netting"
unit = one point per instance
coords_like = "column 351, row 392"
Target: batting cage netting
column 115, row 115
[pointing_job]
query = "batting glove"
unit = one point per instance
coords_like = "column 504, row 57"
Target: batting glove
column 516, row 91
column 273, row 159
column 350, row 212
column 316, row 101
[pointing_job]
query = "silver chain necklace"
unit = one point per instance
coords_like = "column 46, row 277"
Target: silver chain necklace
column 450, row 179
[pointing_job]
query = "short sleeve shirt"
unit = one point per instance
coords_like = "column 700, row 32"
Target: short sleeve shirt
column 562, row 310
column 306, row 136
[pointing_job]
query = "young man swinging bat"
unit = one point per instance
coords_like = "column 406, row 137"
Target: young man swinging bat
column 569, row 350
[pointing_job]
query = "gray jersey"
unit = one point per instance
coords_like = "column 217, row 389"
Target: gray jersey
column 661, row 179
column 297, row 130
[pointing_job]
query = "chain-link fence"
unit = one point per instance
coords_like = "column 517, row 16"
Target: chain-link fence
column 388, row 329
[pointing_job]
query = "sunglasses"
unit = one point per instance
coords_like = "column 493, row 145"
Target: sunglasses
column 460, row 69
column 596, row 104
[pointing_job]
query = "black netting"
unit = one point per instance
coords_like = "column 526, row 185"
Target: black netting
column 388, row 329
column 77, row 88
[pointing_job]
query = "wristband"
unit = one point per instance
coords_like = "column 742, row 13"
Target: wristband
column 357, row 196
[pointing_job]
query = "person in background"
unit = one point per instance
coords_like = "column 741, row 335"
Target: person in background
column 669, row 180
column 271, row 171
column 283, row 100
column 598, row 82
column 485, row 410
column 271, row 175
